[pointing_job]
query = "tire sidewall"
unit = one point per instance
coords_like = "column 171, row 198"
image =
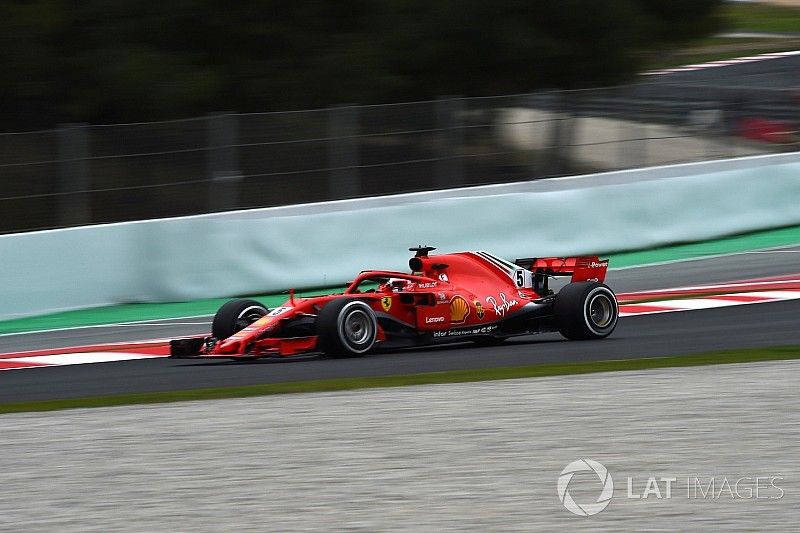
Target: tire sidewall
column 600, row 291
column 349, row 310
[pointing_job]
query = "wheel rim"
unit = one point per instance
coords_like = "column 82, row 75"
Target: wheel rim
column 247, row 317
column 357, row 328
column 601, row 311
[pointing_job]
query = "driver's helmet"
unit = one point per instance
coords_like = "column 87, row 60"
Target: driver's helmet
column 396, row 284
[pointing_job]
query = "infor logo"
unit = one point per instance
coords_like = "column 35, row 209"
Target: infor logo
column 585, row 509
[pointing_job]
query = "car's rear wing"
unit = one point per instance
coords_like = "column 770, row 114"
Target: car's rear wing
column 587, row 268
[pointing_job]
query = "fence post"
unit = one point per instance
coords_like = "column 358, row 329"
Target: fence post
column 558, row 135
column 74, row 208
column 562, row 131
column 633, row 140
column 449, row 166
column 638, row 144
column 343, row 153
column 223, row 162
column 538, row 165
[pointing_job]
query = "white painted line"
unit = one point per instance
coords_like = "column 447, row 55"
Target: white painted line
column 704, row 257
column 776, row 295
column 110, row 345
column 721, row 63
column 744, row 284
column 773, row 252
column 156, row 324
column 699, row 303
column 121, row 324
column 623, row 314
column 80, row 358
column 709, row 302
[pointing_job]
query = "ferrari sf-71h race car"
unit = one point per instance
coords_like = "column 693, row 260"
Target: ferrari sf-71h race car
column 465, row 296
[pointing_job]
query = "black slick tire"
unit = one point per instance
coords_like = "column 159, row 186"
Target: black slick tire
column 236, row 315
column 586, row 310
column 346, row 328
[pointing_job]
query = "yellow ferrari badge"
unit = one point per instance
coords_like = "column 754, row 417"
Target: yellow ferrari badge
column 386, row 303
column 479, row 309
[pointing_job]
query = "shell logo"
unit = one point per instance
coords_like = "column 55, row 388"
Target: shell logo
column 459, row 309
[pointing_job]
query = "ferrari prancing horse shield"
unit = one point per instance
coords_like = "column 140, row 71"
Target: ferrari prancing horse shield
column 386, row 303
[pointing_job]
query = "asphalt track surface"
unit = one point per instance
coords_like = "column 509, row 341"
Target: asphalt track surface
column 781, row 73
column 748, row 326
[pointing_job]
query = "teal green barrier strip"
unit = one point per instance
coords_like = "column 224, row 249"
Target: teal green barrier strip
column 136, row 312
column 117, row 314
column 681, row 252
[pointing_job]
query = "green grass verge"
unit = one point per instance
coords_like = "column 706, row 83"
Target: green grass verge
column 456, row 376
column 740, row 18
column 760, row 17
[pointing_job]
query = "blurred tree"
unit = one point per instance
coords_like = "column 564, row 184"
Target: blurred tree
column 110, row 60
column 675, row 21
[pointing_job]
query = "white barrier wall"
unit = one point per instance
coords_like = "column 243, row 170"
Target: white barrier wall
column 269, row 250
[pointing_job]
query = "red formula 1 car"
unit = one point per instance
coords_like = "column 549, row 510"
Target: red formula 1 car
column 465, row 296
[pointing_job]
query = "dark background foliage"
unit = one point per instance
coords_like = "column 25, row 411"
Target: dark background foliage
column 127, row 60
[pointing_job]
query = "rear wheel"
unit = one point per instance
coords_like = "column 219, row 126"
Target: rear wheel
column 236, row 315
column 586, row 310
column 346, row 328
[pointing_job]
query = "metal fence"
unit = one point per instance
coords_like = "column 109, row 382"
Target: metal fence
column 83, row 174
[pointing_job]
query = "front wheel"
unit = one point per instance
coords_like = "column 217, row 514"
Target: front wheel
column 236, row 315
column 346, row 328
column 586, row 310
